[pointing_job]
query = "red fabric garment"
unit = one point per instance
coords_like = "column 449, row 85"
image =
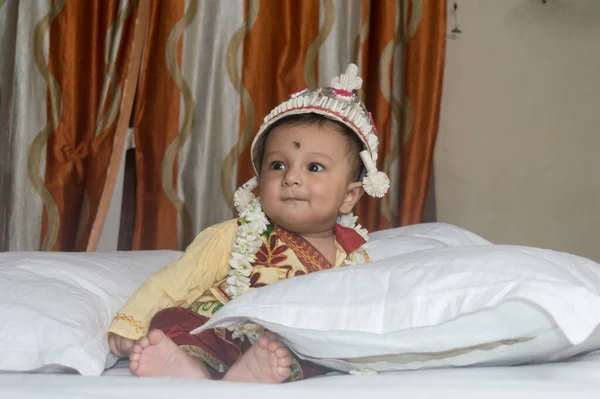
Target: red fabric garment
column 215, row 347
column 348, row 238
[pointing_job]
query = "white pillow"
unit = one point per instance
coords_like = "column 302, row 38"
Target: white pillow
column 384, row 244
column 55, row 308
column 449, row 306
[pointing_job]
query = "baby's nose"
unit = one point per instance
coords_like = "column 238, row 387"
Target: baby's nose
column 293, row 176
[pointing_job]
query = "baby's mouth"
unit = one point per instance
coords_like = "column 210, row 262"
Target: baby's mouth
column 292, row 199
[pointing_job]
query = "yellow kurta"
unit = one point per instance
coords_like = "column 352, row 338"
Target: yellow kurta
column 193, row 279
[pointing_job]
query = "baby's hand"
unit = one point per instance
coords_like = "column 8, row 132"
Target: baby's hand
column 120, row 346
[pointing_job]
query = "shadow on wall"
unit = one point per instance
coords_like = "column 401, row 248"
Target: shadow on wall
column 555, row 14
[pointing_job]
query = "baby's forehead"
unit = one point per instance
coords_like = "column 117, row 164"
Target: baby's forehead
column 334, row 144
column 328, row 143
column 306, row 131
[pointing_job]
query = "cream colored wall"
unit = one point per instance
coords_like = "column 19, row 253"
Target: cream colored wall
column 518, row 154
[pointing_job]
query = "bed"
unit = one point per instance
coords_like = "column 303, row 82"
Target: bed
column 577, row 378
column 442, row 313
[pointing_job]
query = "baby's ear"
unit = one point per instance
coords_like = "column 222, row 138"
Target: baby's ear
column 353, row 193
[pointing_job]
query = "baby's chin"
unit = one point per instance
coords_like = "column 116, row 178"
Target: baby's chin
column 292, row 224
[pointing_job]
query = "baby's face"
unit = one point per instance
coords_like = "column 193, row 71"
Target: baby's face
column 304, row 178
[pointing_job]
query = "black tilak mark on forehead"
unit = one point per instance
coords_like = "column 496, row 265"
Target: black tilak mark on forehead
column 296, row 144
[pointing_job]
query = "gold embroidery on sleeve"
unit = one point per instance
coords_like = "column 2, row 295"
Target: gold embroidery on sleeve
column 135, row 323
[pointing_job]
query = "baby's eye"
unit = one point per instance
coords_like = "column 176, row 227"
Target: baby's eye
column 277, row 165
column 315, row 167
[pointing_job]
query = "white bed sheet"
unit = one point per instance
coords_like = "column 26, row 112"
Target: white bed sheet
column 577, row 378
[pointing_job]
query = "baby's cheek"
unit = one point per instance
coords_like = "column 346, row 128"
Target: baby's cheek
column 266, row 199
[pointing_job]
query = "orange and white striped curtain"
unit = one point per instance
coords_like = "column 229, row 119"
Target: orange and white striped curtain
column 209, row 71
column 64, row 71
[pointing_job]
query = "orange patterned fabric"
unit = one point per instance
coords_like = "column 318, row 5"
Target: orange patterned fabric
column 156, row 127
column 83, row 115
column 209, row 74
column 424, row 70
column 382, row 20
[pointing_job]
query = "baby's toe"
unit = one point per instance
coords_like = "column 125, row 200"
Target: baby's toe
column 284, row 361
column 284, row 372
column 143, row 342
column 275, row 346
column 133, row 366
column 282, row 352
column 263, row 342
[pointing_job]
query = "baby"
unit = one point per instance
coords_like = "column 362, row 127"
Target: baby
column 311, row 155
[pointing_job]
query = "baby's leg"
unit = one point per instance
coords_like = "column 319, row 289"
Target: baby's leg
column 156, row 355
column 267, row 361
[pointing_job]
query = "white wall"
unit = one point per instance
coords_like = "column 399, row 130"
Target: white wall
column 518, row 153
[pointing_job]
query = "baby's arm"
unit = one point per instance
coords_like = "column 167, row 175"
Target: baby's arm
column 180, row 283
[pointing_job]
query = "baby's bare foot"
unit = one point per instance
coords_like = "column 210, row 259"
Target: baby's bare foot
column 267, row 361
column 156, row 355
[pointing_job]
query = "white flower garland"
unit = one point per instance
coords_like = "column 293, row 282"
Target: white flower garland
column 253, row 223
